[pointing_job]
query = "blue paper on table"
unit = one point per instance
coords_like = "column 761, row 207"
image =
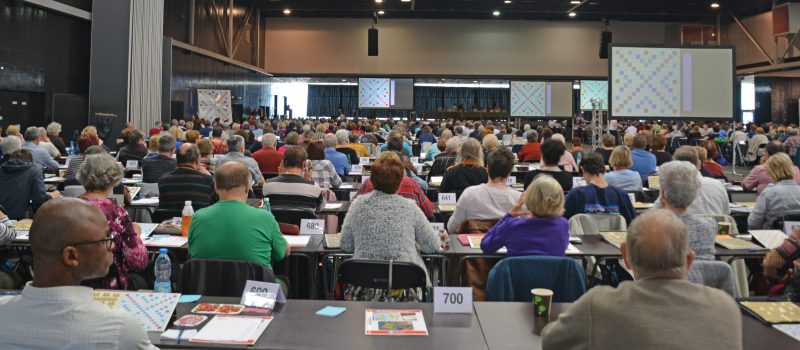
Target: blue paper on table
column 331, row 311
column 189, row 298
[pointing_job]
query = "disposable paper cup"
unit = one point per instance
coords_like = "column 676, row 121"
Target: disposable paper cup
column 542, row 300
column 724, row 228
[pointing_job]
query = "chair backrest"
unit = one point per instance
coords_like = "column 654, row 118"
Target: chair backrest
column 291, row 215
column 381, row 274
column 513, row 278
column 73, row 191
column 475, row 226
column 221, row 278
column 160, row 215
column 723, row 218
column 516, row 148
column 716, row 274
column 592, row 224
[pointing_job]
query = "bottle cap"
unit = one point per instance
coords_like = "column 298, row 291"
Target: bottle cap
column 189, row 203
column 163, row 250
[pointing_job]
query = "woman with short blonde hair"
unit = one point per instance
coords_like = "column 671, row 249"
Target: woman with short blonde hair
column 782, row 196
column 534, row 226
column 621, row 175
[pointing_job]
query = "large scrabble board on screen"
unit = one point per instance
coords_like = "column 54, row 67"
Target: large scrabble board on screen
column 541, row 99
column 386, row 93
column 665, row 82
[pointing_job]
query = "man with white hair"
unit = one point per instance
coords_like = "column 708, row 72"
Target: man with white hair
column 268, row 158
column 236, row 154
column 338, row 159
column 48, row 146
column 9, row 145
column 711, row 196
column 678, row 188
column 41, row 157
column 655, row 311
column 342, row 146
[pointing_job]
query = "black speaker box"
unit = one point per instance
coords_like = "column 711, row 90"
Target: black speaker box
column 372, row 42
column 605, row 40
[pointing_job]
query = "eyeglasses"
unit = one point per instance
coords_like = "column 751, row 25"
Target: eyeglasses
column 108, row 242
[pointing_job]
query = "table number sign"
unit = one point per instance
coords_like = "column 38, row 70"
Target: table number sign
column 452, row 300
column 312, row 227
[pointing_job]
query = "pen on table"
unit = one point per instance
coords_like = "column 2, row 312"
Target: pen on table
column 180, row 333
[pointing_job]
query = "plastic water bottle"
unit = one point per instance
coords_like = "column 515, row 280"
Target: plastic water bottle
column 186, row 218
column 72, row 150
column 578, row 158
column 163, row 270
column 267, row 207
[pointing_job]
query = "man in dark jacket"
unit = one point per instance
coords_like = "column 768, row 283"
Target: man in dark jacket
column 25, row 184
column 445, row 159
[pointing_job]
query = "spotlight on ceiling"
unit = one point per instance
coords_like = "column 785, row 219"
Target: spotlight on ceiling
column 575, row 2
column 576, row 85
column 378, row 1
column 381, row 12
column 495, row 13
column 507, row 1
column 287, row 12
column 572, row 14
column 714, row 5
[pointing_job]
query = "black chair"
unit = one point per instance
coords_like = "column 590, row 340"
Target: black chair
column 791, row 215
column 220, row 278
column 382, row 274
column 292, row 216
column 161, row 215
column 516, row 148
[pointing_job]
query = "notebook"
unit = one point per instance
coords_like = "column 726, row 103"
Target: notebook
column 447, row 208
column 333, row 241
column 464, row 238
column 773, row 311
column 615, row 238
column 735, row 243
column 297, row 241
column 331, row 311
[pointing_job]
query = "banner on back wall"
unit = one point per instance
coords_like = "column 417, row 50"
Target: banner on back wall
column 212, row 104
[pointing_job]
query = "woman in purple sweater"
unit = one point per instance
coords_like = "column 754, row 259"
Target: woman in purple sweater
column 539, row 230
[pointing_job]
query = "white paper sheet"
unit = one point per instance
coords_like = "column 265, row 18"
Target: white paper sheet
column 233, row 329
column 332, row 206
column 768, row 238
column 346, row 186
column 168, row 241
column 54, row 180
column 792, row 330
column 297, row 241
column 146, row 201
column 147, row 229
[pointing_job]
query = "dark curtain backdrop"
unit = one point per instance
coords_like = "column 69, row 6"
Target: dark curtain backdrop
column 326, row 100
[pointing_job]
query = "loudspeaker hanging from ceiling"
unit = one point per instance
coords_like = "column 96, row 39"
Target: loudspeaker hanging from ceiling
column 372, row 42
column 605, row 40
column 372, row 37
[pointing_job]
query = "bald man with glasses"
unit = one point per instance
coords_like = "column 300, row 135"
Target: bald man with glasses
column 71, row 243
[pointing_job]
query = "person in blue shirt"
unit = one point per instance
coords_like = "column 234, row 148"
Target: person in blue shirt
column 644, row 162
column 426, row 135
column 621, row 176
column 339, row 160
column 597, row 197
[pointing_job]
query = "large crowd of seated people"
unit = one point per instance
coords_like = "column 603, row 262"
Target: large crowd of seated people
column 295, row 164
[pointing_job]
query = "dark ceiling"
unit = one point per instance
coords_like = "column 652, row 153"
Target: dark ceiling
column 593, row 10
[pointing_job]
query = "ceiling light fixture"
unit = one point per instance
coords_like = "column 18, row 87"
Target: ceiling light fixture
column 575, row 2
column 572, row 14
column 474, row 81
column 714, row 5
column 496, row 13
column 507, row 1
column 405, row 0
column 344, row 79
column 576, row 85
column 381, row 12
column 287, row 12
column 378, row 1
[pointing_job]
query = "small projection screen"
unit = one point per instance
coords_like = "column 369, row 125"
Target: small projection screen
column 594, row 90
column 541, row 99
column 385, row 93
column 677, row 82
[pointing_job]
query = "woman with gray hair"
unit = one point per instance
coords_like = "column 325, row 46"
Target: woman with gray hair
column 99, row 174
column 53, row 130
column 679, row 187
